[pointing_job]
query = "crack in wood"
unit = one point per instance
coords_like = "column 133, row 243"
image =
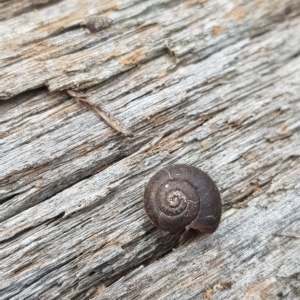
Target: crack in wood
column 109, row 119
column 78, row 189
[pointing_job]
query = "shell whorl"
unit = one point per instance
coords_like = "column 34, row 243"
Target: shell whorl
column 182, row 196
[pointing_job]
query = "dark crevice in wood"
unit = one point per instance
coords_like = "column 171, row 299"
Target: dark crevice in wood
column 130, row 245
column 9, row 197
column 58, row 187
column 16, row 235
column 295, row 55
column 159, row 254
column 165, row 245
column 20, row 233
column 22, row 268
column 106, row 283
column 259, row 34
column 18, row 99
column 45, row 273
column 55, row 219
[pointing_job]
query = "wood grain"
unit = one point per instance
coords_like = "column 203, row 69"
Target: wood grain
column 214, row 84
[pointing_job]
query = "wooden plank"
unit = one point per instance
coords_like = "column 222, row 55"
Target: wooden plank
column 91, row 146
column 214, row 84
column 76, row 59
column 244, row 252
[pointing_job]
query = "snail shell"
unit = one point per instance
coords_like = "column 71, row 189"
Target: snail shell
column 181, row 197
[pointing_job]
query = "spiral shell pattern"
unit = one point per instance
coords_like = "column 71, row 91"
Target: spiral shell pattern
column 180, row 197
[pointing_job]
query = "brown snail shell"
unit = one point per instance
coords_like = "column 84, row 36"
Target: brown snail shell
column 181, row 197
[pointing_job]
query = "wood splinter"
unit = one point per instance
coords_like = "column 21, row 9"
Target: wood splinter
column 289, row 234
column 109, row 119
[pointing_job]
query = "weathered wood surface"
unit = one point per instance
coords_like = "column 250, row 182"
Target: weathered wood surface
column 214, row 83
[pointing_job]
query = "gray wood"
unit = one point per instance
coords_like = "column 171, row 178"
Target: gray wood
column 210, row 83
